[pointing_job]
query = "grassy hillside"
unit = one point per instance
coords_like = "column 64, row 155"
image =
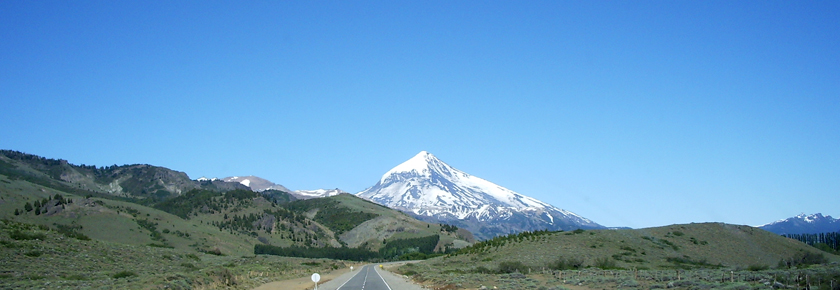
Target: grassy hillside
column 608, row 258
column 676, row 246
column 37, row 256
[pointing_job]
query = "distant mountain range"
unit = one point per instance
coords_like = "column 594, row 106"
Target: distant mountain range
column 431, row 190
column 804, row 224
column 256, row 184
column 259, row 185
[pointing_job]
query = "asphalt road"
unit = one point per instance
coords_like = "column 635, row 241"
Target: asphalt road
column 367, row 278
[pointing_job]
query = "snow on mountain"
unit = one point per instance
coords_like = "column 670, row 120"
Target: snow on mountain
column 804, row 224
column 256, row 183
column 318, row 193
column 431, row 189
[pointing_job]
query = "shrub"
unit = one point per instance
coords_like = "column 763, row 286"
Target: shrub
column 803, row 259
column 605, row 263
column 9, row 244
column 188, row 265
column 124, row 274
column 482, row 270
column 33, row 253
column 757, row 267
column 810, row 258
column 512, row 266
column 409, row 272
column 224, row 276
column 165, row 246
column 566, row 264
column 74, row 277
column 18, row 235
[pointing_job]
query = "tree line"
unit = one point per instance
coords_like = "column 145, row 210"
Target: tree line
column 823, row 241
column 401, row 249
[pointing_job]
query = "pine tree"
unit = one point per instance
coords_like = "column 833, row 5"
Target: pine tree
column 37, row 211
column 17, row 212
column 27, row 207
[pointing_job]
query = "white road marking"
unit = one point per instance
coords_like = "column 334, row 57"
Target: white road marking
column 383, row 279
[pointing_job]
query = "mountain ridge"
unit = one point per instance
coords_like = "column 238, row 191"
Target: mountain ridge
column 432, row 190
column 803, row 224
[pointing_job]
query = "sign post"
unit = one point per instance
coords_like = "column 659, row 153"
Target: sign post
column 316, row 278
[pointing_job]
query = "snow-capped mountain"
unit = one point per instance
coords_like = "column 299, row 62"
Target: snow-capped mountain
column 804, row 224
column 433, row 191
column 256, row 183
column 318, row 193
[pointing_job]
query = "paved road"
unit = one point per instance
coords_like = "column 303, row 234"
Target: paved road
column 367, row 278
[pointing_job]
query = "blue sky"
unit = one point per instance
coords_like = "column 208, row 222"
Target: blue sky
column 630, row 113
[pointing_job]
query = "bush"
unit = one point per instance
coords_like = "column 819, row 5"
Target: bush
column 757, row 267
column 124, row 274
column 803, row 259
column 810, row 258
column 512, row 266
column 482, row 270
column 33, row 253
column 188, row 265
column 566, row 264
column 224, row 276
column 605, row 263
column 18, row 235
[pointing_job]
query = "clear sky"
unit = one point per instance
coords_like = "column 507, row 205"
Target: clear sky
column 630, row 113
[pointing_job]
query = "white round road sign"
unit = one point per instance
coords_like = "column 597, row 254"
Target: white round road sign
column 316, row 277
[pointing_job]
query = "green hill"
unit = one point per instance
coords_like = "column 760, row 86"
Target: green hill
column 712, row 255
column 704, row 245
column 148, row 205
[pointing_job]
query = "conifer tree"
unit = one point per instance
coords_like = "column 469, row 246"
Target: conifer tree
column 27, row 207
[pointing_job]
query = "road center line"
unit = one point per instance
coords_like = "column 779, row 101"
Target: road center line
column 351, row 278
